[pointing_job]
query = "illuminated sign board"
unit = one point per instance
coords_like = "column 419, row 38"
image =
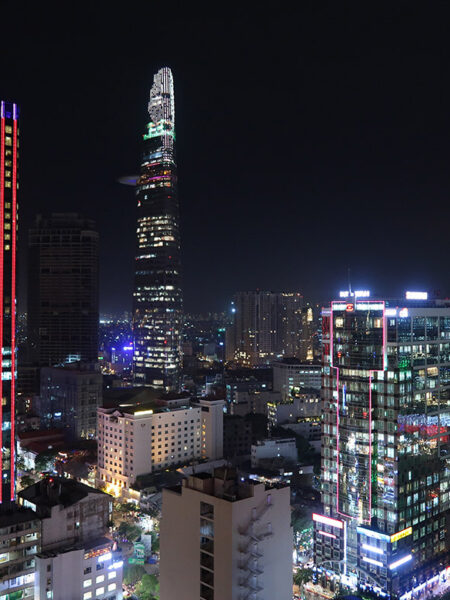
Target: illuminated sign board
column 417, row 295
column 373, row 549
column 400, row 561
column 356, row 294
column 330, row 535
column 370, row 306
column 328, row 521
column 373, row 534
column 401, row 534
column 372, row 561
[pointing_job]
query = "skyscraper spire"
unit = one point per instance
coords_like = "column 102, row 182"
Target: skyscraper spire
column 157, row 302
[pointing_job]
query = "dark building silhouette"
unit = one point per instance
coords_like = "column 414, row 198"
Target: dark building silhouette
column 63, row 290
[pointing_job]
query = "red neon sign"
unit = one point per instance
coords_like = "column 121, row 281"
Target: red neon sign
column 13, row 306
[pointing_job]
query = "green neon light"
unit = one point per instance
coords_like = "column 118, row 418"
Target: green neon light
column 162, row 128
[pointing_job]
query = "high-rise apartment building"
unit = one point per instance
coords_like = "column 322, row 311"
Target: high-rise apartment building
column 63, row 290
column 157, row 303
column 265, row 326
column 9, row 155
column 236, row 541
column 385, row 446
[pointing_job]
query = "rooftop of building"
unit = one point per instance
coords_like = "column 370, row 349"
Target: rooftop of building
column 114, row 397
column 13, row 514
column 225, row 483
column 94, row 544
column 275, row 440
column 410, row 299
column 41, row 434
column 54, row 491
column 147, row 407
column 294, row 361
column 75, row 367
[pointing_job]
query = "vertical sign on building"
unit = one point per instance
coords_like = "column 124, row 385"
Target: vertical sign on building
column 9, row 155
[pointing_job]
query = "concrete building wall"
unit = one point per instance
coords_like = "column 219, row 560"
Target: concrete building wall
column 77, row 574
column 84, row 520
column 273, row 448
column 212, row 428
column 259, row 524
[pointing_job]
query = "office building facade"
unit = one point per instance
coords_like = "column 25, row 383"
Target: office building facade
column 69, row 398
column 291, row 376
column 385, row 471
column 9, row 157
column 265, row 326
column 236, row 541
column 63, row 290
column 157, row 298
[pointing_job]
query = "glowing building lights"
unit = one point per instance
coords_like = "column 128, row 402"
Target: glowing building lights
column 373, row 534
column 382, row 470
column 328, row 521
column 355, row 294
column 400, row 561
column 372, row 561
column 157, row 300
column 330, row 535
column 401, row 534
column 417, row 295
column 9, row 143
column 374, row 549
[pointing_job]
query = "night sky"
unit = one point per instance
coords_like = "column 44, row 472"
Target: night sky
column 309, row 139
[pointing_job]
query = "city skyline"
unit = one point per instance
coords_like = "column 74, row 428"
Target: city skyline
column 363, row 124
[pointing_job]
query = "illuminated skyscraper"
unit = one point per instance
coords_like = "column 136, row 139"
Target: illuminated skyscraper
column 385, row 446
column 157, row 305
column 9, row 143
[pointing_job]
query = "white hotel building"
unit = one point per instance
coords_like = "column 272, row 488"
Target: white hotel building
column 137, row 440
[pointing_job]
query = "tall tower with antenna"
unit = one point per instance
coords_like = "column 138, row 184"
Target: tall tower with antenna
column 157, row 298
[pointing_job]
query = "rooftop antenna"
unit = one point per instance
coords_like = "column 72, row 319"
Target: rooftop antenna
column 349, row 281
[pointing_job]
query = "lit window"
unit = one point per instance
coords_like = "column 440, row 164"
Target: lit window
column 87, row 595
column 112, row 575
column 111, row 587
column 100, row 579
column 87, row 582
column 99, row 591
